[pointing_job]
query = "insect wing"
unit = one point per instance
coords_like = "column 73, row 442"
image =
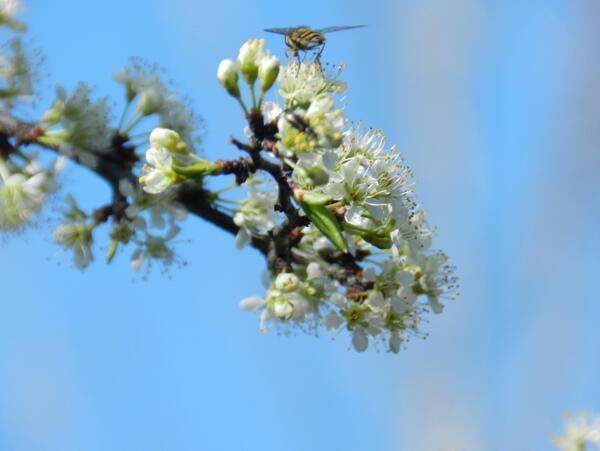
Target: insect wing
column 280, row 30
column 339, row 28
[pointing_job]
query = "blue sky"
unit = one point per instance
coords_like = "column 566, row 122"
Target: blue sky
column 492, row 103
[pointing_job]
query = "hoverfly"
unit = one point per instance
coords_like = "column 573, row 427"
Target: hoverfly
column 304, row 38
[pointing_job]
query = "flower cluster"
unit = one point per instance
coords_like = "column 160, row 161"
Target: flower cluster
column 16, row 63
column 582, row 432
column 76, row 120
column 153, row 97
column 24, row 187
column 253, row 63
column 16, row 75
column 76, row 234
column 169, row 162
column 363, row 262
column 148, row 223
column 79, row 126
column 361, row 256
column 8, row 10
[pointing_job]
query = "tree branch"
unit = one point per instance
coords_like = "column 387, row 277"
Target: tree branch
column 113, row 168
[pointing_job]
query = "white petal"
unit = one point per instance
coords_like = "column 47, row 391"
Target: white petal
column 338, row 299
column 252, row 304
column 156, row 182
column 360, row 341
column 333, row 321
column 158, row 157
column 376, row 300
column 395, row 341
column 242, row 239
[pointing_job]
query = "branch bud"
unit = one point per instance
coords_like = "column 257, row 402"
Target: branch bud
column 249, row 58
column 268, row 72
column 228, row 77
column 169, row 139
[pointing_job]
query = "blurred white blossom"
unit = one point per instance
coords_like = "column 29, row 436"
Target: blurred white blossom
column 23, row 191
column 154, row 97
column 76, row 120
column 582, row 433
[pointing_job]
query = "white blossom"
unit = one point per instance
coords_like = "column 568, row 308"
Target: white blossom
column 256, row 215
column 158, row 175
column 84, row 121
column 154, row 97
column 8, row 10
column 301, row 83
column 23, row 193
column 76, row 237
column 582, row 432
column 156, row 249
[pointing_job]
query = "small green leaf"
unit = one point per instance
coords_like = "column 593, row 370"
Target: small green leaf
column 196, row 170
column 378, row 237
column 112, row 250
column 324, row 220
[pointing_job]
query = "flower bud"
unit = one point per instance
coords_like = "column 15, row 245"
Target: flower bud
column 54, row 114
column 249, row 58
column 149, row 103
column 163, row 137
column 287, row 282
column 268, row 72
column 228, row 77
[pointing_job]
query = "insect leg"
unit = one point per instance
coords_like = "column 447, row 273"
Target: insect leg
column 318, row 56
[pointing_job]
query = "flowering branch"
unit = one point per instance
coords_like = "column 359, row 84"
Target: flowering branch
column 329, row 205
column 113, row 168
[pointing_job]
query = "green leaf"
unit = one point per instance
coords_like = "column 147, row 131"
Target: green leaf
column 324, row 220
column 196, row 170
column 112, row 250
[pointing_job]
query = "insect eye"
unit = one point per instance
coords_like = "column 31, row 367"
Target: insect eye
column 295, row 120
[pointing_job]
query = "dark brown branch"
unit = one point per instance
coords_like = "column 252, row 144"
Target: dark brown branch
column 280, row 255
column 114, row 167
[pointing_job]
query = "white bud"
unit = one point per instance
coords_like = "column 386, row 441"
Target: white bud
column 249, row 58
column 268, row 72
column 286, row 282
column 228, row 77
column 163, row 137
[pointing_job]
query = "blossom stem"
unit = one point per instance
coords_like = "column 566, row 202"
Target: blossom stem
column 254, row 105
column 225, row 207
column 134, row 121
column 228, row 201
column 226, row 188
column 139, row 135
column 125, row 110
column 21, row 155
column 261, row 98
column 243, row 105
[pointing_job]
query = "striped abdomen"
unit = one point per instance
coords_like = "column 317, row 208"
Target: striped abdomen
column 303, row 38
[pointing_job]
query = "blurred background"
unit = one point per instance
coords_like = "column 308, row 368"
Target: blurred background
column 494, row 104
